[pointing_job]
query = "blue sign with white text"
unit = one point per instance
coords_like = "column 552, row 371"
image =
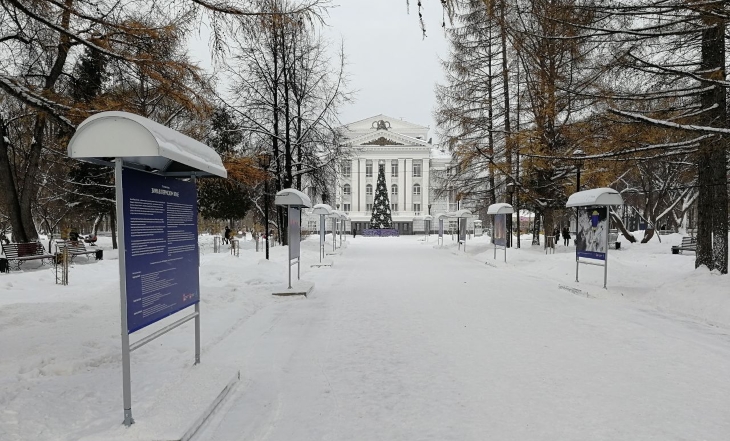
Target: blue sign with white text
column 160, row 246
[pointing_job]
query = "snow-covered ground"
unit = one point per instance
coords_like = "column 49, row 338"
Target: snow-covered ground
column 401, row 339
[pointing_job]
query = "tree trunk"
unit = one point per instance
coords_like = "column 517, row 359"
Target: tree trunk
column 9, row 195
column 712, row 204
column 113, row 227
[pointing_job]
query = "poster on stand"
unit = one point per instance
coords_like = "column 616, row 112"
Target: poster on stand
column 294, row 232
column 591, row 237
column 462, row 229
column 441, row 228
column 499, row 228
column 160, row 246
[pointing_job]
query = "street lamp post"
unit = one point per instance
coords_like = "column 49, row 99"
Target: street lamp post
column 578, row 157
column 265, row 162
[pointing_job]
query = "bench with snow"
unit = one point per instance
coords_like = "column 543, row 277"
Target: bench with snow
column 76, row 248
column 688, row 244
column 21, row 252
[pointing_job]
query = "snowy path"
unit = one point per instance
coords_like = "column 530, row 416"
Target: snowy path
column 401, row 341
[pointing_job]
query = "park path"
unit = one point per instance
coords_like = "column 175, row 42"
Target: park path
column 404, row 341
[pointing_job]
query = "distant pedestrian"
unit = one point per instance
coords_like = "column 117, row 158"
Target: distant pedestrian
column 354, row 232
column 227, row 235
column 566, row 236
column 556, row 233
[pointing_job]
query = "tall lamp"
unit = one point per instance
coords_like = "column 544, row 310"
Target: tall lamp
column 578, row 158
column 265, row 163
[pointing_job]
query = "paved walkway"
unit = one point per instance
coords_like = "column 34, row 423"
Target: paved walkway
column 401, row 341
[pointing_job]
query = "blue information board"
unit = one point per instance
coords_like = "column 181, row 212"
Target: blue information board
column 160, row 246
column 590, row 241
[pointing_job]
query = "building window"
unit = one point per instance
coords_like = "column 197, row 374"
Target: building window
column 394, row 190
column 346, row 190
column 394, row 207
column 417, row 209
column 369, row 207
column 369, row 169
column 416, row 190
column 369, row 190
column 346, row 169
column 394, row 168
column 416, row 169
column 346, row 207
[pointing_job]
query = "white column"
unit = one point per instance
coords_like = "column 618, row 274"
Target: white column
column 401, row 183
column 361, row 187
column 425, row 194
column 354, row 186
column 409, row 186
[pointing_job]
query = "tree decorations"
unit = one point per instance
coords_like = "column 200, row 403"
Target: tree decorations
column 381, row 218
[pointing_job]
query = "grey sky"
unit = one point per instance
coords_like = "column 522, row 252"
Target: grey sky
column 392, row 68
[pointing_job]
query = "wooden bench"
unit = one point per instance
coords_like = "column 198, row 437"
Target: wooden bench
column 688, row 244
column 75, row 248
column 21, row 252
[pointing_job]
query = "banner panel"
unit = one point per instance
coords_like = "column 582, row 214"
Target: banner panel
column 462, row 230
column 160, row 246
column 294, row 232
column 441, row 228
column 322, row 229
column 500, row 229
column 591, row 236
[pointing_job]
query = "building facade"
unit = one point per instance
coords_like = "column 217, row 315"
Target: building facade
column 411, row 164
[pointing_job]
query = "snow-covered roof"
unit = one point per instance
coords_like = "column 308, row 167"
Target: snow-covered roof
column 596, row 196
column 501, row 208
column 441, row 216
column 138, row 140
column 293, row 198
column 463, row 213
column 320, row 209
column 427, row 217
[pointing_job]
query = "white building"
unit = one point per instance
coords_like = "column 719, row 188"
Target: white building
column 411, row 162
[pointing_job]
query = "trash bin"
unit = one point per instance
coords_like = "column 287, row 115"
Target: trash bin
column 675, row 250
column 618, row 245
column 99, row 254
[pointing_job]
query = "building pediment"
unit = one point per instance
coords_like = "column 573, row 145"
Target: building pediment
column 385, row 138
column 382, row 141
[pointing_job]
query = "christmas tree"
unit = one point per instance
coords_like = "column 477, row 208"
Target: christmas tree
column 381, row 204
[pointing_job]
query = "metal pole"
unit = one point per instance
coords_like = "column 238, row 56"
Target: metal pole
column 266, row 213
column 126, row 374
column 605, row 261
column 197, row 305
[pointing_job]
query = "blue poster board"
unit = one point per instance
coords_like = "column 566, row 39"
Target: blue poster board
column 500, row 229
column 591, row 237
column 160, row 247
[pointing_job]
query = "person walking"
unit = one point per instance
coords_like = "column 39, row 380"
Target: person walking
column 556, row 233
column 566, row 236
column 227, row 235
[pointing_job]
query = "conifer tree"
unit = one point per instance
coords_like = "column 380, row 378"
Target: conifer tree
column 381, row 218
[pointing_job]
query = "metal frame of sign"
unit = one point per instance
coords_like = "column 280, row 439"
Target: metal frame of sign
column 138, row 143
column 294, row 231
column 591, row 199
column 501, row 209
column 441, row 231
column 128, row 348
column 293, row 200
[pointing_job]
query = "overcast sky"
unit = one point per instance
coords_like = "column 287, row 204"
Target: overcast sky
column 392, row 68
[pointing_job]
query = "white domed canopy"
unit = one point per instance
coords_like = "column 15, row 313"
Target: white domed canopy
column 140, row 141
column 320, row 209
column 463, row 213
column 293, row 198
column 501, row 208
column 596, row 196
